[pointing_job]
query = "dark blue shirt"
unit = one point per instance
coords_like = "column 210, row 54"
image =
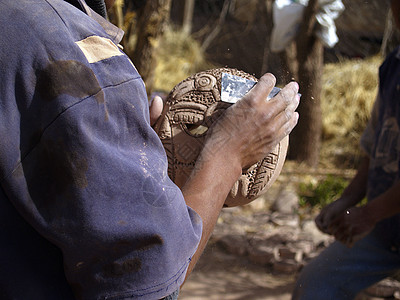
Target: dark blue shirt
column 381, row 141
column 86, row 204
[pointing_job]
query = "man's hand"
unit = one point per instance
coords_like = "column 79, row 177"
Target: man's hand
column 352, row 225
column 330, row 213
column 252, row 127
column 356, row 222
column 156, row 107
column 352, row 195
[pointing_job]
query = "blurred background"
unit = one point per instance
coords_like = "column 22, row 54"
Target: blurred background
column 177, row 38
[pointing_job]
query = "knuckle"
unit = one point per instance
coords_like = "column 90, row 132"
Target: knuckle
column 288, row 114
column 268, row 79
column 288, row 130
column 268, row 115
column 248, row 103
column 286, row 96
column 270, row 131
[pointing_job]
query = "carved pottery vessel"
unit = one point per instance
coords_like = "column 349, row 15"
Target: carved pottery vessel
column 191, row 108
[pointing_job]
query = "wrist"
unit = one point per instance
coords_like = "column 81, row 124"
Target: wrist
column 374, row 212
column 221, row 159
column 220, row 168
column 347, row 201
column 352, row 196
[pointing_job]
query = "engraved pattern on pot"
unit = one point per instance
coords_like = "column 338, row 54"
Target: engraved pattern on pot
column 191, row 108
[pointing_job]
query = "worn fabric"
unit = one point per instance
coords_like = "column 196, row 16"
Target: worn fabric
column 381, row 141
column 340, row 272
column 86, row 205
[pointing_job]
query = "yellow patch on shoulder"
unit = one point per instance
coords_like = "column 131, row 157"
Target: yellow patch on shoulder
column 97, row 48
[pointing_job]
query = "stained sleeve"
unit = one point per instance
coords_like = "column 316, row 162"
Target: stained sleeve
column 81, row 163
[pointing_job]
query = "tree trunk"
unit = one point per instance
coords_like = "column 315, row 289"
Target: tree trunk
column 182, row 14
column 150, row 27
column 306, row 137
column 178, row 11
column 188, row 16
column 269, row 24
column 289, row 64
column 217, row 27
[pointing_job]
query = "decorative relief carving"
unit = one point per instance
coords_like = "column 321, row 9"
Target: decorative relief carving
column 191, row 108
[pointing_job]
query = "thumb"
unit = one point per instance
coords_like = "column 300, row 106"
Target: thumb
column 156, row 108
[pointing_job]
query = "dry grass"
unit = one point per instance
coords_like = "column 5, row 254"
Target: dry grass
column 179, row 56
column 349, row 91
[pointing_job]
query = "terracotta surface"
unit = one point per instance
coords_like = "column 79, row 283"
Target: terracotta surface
column 191, row 108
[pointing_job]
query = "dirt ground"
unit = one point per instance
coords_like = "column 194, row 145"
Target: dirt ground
column 222, row 276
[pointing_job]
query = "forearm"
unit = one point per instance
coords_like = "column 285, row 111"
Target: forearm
column 206, row 191
column 356, row 190
column 386, row 205
column 234, row 142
